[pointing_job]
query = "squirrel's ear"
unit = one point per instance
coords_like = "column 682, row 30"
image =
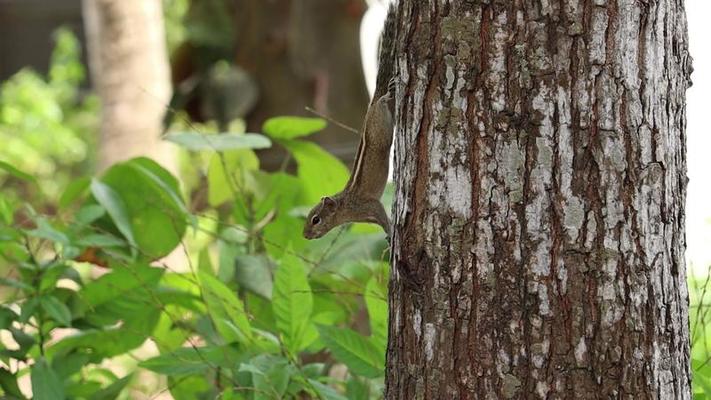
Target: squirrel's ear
column 328, row 201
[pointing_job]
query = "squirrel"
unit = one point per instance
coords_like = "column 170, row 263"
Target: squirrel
column 359, row 201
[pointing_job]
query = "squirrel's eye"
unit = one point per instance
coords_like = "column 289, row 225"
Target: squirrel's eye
column 315, row 220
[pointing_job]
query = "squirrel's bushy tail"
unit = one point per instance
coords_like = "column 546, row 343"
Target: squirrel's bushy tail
column 386, row 57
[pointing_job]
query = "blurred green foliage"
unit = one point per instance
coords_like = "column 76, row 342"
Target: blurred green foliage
column 700, row 330
column 201, row 23
column 47, row 124
column 174, row 12
column 255, row 312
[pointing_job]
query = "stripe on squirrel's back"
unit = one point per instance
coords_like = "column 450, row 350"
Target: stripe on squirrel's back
column 386, row 61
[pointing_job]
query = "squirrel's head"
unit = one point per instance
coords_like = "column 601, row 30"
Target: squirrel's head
column 320, row 219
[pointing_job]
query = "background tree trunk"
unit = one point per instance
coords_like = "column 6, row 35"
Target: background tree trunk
column 539, row 217
column 304, row 53
column 130, row 71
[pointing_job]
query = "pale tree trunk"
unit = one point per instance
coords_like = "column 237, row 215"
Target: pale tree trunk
column 130, row 70
column 538, row 246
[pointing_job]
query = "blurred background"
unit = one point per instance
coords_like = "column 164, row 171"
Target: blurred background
column 86, row 85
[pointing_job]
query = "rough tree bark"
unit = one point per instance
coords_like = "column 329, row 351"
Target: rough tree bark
column 539, row 217
column 130, row 70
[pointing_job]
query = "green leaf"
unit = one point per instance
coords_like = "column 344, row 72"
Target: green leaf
column 7, row 211
column 28, row 309
column 69, row 364
column 355, row 351
column 357, row 390
column 51, row 275
column 17, row 173
column 7, row 317
column 153, row 209
column 195, row 387
column 220, row 142
column 376, row 294
column 254, row 273
column 14, row 283
column 57, row 310
column 88, row 214
column 46, row 231
column 8, row 383
column 112, row 391
column 325, row 391
column 73, row 191
column 100, row 240
column 114, row 205
column 25, row 340
column 228, row 172
column 292, row 127
column 45, row 383
column 124, row 290
column 225, row 309
column 192, row 360
column 110, row 341
column 270, row 376
column 321, row 174
column 292, row 302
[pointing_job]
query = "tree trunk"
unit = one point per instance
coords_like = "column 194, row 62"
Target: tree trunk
column 130, row 70
column 539, row 215
column 304, row 53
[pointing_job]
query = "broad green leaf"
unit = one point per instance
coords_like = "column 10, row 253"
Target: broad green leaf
column 232, row 394
column 8, row 383
column 270, row 375
column 122, row 283
column 326, row 392
column 51, row 275
column 314, row 370
column 153, row 209
column 225, row 309
column 46, row 231
column 99, row 240
column 73, row 191
column 112, row 391
column 25, row 340
column 69, row 364
column 228, row 175
column 376, row 294
column 220, row 142
column 28, row 309
column 14, row 283
column 7, row 317
column 161, row 178
column 321, row 174
column 282, row 194
column 704, row 383
column 356, row 389
column 57, row 310
column 254, row 273
column 292, row 127
column 192, row 360
column 16, row 172
column 355, row 351
column 7, row 211
column 114, row 205
column 45, row 383
column 292, row 302
column 195, row 387
column 88, row 214
column 133, row 331
column 168, row 181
